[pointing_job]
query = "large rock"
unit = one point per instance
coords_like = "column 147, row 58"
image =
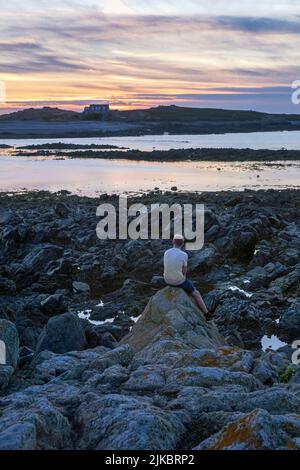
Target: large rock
column 30, row 421
column 232, row 399
column 257, row 430
column 40, row 256
column 289, row 284
column 119, row 422
column 202, row 261
column 172, row 314
column 9, row 345
column 289, row 323
column 242, row 316
column 19, row 436
column 63, row 333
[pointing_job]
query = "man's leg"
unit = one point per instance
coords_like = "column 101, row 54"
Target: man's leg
column 200, row 302
column 189, row 287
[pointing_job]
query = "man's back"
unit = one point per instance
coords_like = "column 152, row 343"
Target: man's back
column 174, row 260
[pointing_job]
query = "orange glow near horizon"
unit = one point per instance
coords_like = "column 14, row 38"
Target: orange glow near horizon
column 139, row 54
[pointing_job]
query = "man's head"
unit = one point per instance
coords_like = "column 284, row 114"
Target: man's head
column 178, row 241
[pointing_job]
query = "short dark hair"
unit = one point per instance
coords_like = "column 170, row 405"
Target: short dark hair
column 178, row 242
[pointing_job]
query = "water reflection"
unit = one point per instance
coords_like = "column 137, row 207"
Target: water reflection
column 91, row 176
column 254, row 140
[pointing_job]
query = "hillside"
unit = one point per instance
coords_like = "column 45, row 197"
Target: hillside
column 159, row 113
column 178, row 113
column 41, row 114
column 59, row 123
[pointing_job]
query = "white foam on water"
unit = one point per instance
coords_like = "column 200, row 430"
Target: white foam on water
column 135, row 319
column 85, row 315
column 238, row 289
column 271, row 342
column 96, row 322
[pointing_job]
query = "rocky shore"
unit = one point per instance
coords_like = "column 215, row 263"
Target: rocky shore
column 174, row 155
column 100, row 355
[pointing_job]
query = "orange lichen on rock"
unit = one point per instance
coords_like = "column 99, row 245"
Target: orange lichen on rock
column 290, row 444
column 170, row 295
column 254, row 431
column 228, row 350
column 240, row 431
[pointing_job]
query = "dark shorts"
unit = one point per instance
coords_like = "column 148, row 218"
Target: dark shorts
column 188, row 286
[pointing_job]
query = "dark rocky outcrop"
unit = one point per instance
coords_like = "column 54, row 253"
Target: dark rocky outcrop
column 117, row 363
column 170, row 384
column 171, row 314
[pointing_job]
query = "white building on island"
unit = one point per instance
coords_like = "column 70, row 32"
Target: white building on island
column 96, row 108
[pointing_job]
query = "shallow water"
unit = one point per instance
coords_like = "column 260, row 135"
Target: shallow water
column 271, row 342
column 92, row 176
column 255, row 140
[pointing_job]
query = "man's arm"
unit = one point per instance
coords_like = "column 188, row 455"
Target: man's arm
column 185, row 263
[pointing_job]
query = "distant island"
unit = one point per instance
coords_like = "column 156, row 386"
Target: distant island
column 54, row 122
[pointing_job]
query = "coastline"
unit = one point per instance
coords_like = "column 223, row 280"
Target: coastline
column 173, row 155
column 50, row 129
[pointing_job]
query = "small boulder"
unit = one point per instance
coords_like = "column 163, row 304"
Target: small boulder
column 26, row 355
column 158, row 282
column 289, row 323
column 6, row 373
column 81, row 288
column 8, row 217
column 54, row 304
column 62, row 334
column 62, row 210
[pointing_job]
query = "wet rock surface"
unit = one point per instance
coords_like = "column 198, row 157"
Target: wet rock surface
column 102, row 356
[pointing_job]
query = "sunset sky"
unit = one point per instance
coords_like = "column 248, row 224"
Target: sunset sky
column 136, row 53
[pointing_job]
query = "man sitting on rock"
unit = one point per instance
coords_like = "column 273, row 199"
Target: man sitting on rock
column 175, row 269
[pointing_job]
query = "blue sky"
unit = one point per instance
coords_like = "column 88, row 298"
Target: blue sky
column 237, row 55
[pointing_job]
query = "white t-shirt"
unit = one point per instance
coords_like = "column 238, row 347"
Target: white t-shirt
column 174, row 260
